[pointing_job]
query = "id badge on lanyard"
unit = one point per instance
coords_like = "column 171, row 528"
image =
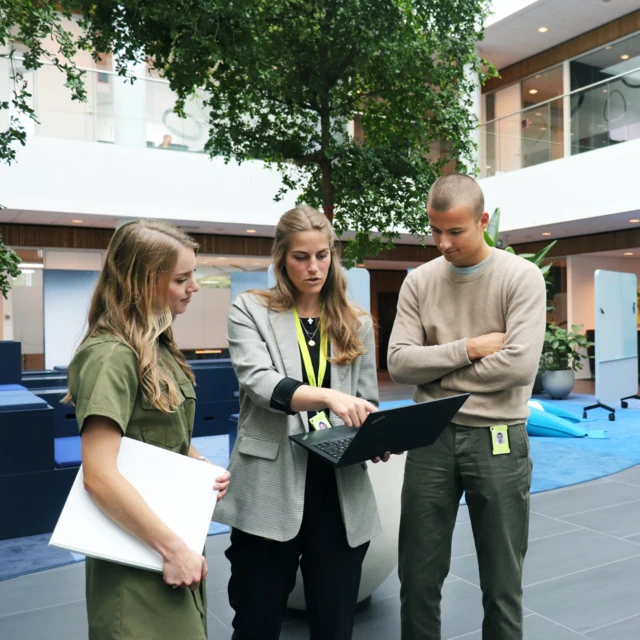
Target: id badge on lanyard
column 320, row 420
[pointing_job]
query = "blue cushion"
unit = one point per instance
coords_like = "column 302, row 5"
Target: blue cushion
column 67, row 452
column 12, row 387
column 20, row 400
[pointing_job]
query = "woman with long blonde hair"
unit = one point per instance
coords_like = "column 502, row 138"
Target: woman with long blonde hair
column 305, row 358
column 128, row 378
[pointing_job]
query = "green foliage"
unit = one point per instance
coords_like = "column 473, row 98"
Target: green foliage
column 491, row 236
column 560, row 348
column 283, row 79
column 35, row 31
column 9, row 262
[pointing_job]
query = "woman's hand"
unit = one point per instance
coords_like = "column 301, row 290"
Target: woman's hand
column 222, row 484
column 351, row 410
column 183, row 567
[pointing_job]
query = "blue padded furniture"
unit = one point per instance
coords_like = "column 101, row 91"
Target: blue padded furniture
column 30, row 503
column 26, row 428
column 68, row 452
column 212, row 418
column 64, row 415
column 44, row 380
column 10, row 357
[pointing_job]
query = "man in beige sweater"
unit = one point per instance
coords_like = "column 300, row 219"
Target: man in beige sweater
column 471, row 321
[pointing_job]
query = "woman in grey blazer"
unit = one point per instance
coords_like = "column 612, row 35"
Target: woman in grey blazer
column 304, row 356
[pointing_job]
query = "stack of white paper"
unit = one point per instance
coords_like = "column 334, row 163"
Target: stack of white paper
column 177, row 488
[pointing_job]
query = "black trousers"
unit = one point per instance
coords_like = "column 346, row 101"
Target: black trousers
column 263, row 572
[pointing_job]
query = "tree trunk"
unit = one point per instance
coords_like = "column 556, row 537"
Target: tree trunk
column 328, row 189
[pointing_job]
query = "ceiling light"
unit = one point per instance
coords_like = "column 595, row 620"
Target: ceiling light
column 604, row 90
column 77, row 221
column 634, row 220
column 625, row 56
column 533, row 91
column 30, row 265
column 628, row 253
column 546, row 233
column 538, row 114
column 607, row 48
column 251, row 230
column 543, row 29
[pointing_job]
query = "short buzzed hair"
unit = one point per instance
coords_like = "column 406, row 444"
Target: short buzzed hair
column 453, row 190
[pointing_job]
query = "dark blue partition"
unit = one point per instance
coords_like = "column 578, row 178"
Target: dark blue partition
column 10, row 362
column 31, row 503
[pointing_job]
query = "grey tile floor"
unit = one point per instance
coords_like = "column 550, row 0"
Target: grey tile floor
column 581, row 579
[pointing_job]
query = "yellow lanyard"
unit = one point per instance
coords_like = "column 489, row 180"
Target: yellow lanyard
column 306, row 356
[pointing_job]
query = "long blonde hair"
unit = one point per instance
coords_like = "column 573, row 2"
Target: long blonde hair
column 340, row 319
column 130, row 302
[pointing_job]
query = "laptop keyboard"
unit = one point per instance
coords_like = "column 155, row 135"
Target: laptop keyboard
column 334, row 448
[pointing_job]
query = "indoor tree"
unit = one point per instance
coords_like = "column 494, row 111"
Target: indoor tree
column 283, row 81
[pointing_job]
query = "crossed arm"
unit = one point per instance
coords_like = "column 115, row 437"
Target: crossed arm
column 482, row 364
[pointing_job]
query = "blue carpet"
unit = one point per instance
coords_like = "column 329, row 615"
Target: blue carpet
column 20, row 556
column 561, row 462
column 557, row 462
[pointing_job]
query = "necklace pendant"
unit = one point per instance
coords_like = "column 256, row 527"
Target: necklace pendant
column 310, row 320
column 312, row 343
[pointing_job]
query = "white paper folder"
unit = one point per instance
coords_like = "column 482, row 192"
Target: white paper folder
column 177, row 488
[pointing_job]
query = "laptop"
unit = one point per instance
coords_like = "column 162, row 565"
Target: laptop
column 394, row 430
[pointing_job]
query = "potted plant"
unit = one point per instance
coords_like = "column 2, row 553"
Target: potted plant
column 561, row 358
column 491, row 235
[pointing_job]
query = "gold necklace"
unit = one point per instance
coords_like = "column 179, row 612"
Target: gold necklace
column 310, row 341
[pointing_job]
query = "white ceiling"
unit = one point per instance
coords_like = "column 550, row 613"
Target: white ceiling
column 516, row 37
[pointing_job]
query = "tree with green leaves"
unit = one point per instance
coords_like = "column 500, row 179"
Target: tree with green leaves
column 282, row 80
column 34, row 32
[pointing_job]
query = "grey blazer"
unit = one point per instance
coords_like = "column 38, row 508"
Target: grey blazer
column 268, row 471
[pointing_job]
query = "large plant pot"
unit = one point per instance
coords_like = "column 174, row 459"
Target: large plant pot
column 537, row 385
column 558, row 384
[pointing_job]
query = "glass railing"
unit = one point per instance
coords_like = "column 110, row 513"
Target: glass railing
column 601, row 115
column 116, row 111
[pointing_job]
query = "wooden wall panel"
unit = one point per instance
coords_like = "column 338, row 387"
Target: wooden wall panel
column 624, row 26
column 48, row 236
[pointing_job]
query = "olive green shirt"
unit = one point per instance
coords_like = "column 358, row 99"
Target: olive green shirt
column 124, row 603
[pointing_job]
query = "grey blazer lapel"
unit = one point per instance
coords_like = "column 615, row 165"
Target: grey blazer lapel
column 284, row 328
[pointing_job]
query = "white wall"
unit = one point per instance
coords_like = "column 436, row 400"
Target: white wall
column 204, row 325
column 85, row 177
column 28, row 314
column 589, row 185
column 580, row 288
column 508, row 131
column 73, row 260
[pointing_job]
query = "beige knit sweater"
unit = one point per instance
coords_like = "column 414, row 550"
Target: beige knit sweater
column 439, row 309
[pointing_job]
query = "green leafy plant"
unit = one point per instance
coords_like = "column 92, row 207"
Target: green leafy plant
column 560, row 351
column 9, row 262
column 491, row 235
column 359, row 105
column 38, row 28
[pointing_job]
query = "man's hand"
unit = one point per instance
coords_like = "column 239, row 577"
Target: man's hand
column 485, row 345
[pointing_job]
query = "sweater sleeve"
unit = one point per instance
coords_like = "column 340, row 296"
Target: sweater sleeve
column 410, row 360
column 517, row 363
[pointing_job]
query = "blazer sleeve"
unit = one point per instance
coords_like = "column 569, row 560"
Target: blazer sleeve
column 252, row 362
column 367, row 386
